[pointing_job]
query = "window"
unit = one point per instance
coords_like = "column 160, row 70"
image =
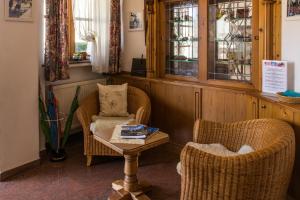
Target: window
column 77, row 24
column 230, row 40
column 182, row 43
column 81, row 23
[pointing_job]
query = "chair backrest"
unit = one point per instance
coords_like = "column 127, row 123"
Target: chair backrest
column 136, row 98
column 259, row 133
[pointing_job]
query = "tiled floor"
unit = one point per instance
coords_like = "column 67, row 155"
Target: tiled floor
column 72, row 180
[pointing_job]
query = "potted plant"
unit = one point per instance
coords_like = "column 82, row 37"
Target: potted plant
column 50, row 122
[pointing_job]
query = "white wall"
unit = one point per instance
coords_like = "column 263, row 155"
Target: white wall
column 19, row 61
column 134, row 42
column 291, row 46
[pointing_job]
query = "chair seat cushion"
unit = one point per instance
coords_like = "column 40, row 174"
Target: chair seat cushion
column 101, row 123
column 218, row 150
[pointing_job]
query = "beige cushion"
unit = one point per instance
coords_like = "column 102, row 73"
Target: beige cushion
column 245, row 149
column 113, row 100
column 216, row 149
column 102, row 123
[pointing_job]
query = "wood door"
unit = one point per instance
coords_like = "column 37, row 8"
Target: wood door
column 252, row 108
column 265, row 109
column 175, row 109
column 226, row 106
column 158, row 105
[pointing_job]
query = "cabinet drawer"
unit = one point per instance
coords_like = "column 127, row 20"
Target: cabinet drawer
column 270, row 110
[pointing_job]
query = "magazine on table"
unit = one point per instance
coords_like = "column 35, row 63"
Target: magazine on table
column 129, row 134
column 137, row 131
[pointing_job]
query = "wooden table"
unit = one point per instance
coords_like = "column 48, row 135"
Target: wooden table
column 130, row 187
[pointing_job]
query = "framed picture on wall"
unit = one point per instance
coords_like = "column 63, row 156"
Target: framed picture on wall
column 136, row 21
column 18, row 10
column 293, row 10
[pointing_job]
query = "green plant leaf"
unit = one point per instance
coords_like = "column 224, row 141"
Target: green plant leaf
column 43, row 121
column 69, row 121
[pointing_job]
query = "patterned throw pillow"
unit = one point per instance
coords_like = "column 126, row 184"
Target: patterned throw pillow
column 113, row 100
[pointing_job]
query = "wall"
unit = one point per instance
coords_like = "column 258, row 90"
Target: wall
column 134, row 42
column 291, row 45
column 19, row 61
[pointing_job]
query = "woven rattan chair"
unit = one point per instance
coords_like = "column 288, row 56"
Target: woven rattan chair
column 138, row 104
column 261, row 175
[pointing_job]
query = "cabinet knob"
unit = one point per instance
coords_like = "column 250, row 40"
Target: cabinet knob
column 263, row 106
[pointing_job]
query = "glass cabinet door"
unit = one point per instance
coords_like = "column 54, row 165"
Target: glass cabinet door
column 230, row 25
column 181, row 38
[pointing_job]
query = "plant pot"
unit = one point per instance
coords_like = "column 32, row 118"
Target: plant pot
column 58, row 156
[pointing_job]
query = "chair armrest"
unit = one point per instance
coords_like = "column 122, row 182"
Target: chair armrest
column 140, row 115
column 88, row 107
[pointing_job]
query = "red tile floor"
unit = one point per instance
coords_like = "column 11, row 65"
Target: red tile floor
column 72, row 180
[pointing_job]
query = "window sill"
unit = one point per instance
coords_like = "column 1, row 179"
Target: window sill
column 80, row 64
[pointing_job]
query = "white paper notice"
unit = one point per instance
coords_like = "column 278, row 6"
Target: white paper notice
column 274, row 76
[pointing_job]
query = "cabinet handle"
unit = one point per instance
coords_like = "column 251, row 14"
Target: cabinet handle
column 263, row 106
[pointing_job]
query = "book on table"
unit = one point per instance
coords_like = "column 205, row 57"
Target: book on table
column 132, row 134
column 136, row 131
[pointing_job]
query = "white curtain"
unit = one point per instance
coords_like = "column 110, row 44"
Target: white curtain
column 92, row 23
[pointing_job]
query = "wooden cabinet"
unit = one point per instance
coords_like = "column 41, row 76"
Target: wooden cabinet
column 226, row 56
column 265, row 109
column 271, row 110
column 283, row 113
column 227, row 106
column 174, row 110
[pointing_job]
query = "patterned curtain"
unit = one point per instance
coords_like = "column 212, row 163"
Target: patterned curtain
column 115, row 36
column 56, row 47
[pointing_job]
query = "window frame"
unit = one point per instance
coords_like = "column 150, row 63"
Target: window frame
column 266, row 37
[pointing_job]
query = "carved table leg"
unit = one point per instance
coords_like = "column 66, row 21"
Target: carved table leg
column 130, row 185
column 130, row 171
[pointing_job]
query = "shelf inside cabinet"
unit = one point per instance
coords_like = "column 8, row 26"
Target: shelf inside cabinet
column 230, row 40
column 181, row 26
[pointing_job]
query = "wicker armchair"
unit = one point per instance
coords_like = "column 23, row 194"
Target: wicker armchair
column 138, row 104
column 261, row 175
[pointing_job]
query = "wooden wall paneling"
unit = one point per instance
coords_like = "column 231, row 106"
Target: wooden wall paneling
column 117, row 80
column 212, row 106
column 181, row 111
column 295, row 183
column 235, row 105
column 224, row 106
column 159, row 106
column 252, row 108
